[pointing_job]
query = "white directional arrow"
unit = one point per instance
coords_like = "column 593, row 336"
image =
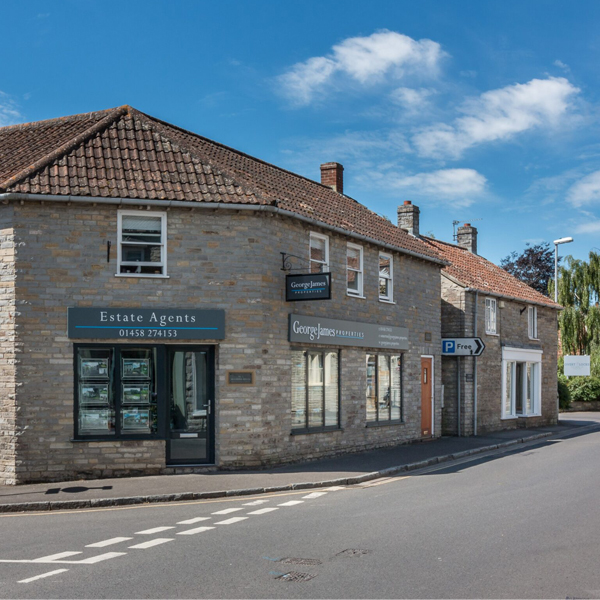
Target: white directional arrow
column 462, row 346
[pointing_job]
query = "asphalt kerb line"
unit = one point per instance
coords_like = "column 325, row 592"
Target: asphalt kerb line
column 186, row 496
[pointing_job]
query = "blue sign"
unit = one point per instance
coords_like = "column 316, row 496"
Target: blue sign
column 462, row 346
column 449, row 346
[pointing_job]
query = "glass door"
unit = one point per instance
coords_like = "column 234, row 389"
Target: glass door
column 190, row 438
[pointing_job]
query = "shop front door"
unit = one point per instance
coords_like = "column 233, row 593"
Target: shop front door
column 190, row 437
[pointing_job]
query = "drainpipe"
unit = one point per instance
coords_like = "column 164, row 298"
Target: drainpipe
column 475, row 369
column 458, row 394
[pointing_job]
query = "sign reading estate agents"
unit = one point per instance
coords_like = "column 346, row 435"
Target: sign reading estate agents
column 312, row 286
column 577, row 365
column 319, row 330
column 143, row 323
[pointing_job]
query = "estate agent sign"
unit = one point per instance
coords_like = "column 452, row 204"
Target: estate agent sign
column 312, row 286
column 144, row 323
column 577, row 365
column 319, row 330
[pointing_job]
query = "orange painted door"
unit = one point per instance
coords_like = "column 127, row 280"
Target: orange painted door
column 426, row 389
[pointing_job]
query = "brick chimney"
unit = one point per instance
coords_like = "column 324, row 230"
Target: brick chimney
column 466, row 237
column 408, row 217
column 332, row 175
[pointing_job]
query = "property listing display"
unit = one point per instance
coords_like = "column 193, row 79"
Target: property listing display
column 116, row 391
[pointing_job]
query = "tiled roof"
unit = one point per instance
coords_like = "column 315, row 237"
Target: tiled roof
column 124, row 153
column 474, row 271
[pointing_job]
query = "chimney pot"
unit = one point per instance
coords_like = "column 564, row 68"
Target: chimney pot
column 408, row 218
column 332, row 175
column 466, row 237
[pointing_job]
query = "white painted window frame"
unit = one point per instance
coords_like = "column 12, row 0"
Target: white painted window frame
column 163, row 243
column 514, row 355
column 532, row 325
column 491, row 325
column 390, row 296
column 325, row 264
column 356, row 293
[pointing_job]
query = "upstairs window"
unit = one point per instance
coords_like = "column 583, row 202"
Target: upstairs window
column 386, row 277
column 142, row 243
column 355, row 269
column 319, row 253
column 490, row 316
column 532, row 322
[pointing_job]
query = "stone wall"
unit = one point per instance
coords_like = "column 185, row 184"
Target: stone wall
column 216, row 259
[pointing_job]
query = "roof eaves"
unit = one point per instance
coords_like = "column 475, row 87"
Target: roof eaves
column 66, row 147
column 550, row 304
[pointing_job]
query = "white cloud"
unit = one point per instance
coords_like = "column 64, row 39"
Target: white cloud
column 412, row 100
column 498, row 115
column 562, row 65
column 364, row 60
column 462, row 186
column 9, row 113
column 585, row 191
column 590, row 227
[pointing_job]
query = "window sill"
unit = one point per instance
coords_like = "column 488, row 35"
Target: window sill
column 312, row 430
column 386, row 301
column 492, row 334
column 384, row 423
column 140, row 275
column 534, row 339
column 513, row 417
column 356, row 296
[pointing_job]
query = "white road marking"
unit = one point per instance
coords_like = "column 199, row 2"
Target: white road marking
column 315, row 495
column 153, row 530
column 110, row 542
column 227, row 511
column 151, row 543
column 54, row 557
column 334, row 488
column 96, row 559
column 192, row 521
column 292, row 503
column 49, row 574
column 262, row 511
column 231, row 521
column 256, row 502
column 194, row 531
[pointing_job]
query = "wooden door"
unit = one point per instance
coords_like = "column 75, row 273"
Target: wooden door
column 426, row 389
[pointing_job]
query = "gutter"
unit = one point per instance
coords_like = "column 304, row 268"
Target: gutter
column 268, row 208
column 513, row 298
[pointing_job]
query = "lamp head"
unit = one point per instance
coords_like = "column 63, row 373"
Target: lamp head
column 565, row 240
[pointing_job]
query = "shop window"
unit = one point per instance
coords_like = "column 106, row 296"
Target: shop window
column 315, row 390
column 142, row 243
column 532, row 322
column 384, row 388
column 521, row 377
column 386, row 277
column 355, row 270
column 319, row 253
column 490, row 316
column 115, row 392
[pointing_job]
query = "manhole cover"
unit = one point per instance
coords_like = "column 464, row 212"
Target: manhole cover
column 295, row 576
column 301, row 561
column 353, row 552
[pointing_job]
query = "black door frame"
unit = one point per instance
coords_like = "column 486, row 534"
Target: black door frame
column 210, row 423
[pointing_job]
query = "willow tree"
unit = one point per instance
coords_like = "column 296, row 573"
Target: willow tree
column 578, row 292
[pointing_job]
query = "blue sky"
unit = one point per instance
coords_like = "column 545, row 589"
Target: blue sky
column 486, row 112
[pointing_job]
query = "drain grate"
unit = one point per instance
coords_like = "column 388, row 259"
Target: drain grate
column 309, row 562
column 295, row 576
column 353, row 552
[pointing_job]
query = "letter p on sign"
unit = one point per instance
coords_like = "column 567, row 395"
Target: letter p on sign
column 449, row 346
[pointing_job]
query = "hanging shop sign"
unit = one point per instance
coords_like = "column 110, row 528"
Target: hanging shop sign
column 320, row 330
column 146, row 323
column 577, row 366
column 310, row 286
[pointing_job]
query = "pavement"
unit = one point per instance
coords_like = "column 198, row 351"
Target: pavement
column 349, row 469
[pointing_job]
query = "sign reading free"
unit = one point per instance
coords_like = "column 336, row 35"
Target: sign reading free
column 462, row 346
column 143, row 323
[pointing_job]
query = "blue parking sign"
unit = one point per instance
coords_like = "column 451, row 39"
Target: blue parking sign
column 449, row 346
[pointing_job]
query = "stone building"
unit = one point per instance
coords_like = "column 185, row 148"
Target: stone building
column 514, row 382
column 144, row 326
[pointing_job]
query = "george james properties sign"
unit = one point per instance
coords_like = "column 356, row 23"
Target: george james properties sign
column 146, row 323
column 319, row 330
column 311, row 286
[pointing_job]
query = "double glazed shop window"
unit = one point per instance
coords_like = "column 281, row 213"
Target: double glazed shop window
column 384, row 388
column 115, row 392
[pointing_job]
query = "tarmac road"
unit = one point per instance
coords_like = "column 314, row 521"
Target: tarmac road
column 518, row 523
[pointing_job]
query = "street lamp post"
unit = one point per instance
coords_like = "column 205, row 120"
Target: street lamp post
column 565, row 240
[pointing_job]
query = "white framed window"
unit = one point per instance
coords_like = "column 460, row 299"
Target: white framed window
column 354, row 269
column 142, row 244
column 318, row 253
column 521, row 382
column 386, row 277
column 532, row 322
column 491, row 311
